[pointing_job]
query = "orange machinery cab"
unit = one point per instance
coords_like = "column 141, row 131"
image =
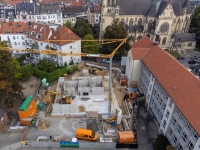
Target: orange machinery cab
column 27, row 111
column 86, row 134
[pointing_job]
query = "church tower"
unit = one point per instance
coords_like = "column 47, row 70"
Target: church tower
column 108, row 10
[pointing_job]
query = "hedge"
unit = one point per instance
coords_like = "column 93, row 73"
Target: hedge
column 55, row 74
column 39, row 73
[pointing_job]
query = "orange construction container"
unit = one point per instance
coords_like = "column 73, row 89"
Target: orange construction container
column 126, row 137
column 27, row 111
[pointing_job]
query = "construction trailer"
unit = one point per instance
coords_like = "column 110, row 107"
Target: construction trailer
column 27, row 111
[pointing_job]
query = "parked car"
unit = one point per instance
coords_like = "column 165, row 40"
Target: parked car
column 180, row 57
column 192, row 62
column 106, row 60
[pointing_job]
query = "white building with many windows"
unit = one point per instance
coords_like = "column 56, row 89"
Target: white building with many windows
column 14, row 34
column 172, row 93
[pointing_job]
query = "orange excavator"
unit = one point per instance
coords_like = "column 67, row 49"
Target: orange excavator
column 65, row 99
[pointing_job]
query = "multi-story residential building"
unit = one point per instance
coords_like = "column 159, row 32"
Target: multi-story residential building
column 7, row 13
column 42, row 36
column 25, row 12
column 49, row 13
column 67, row 42
column 147, row 17
column 14, row 34
column 93, row 13
column 30, row 12
column 71, row 14
column 172, row 92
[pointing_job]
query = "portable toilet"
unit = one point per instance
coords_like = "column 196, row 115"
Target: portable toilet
column 27, row 111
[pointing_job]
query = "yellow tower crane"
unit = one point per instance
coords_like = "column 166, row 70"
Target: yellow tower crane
column 55, row 52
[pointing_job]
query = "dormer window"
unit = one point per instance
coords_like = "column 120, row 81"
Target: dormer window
column 17, row 12
column 41, row 29
column 32, row 33
column 31, row 12
column 39, row 36
column 35, row 26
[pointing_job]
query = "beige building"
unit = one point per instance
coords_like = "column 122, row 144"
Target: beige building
column 148, row 17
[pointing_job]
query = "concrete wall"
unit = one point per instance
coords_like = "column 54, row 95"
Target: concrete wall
column 12, row 146
column 136, row 70
column 89, row 145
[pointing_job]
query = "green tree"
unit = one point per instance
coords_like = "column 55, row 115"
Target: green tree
column 10, row 89
column 68, row 24
column 195, row 23
column 90, row 46
column 115, row 31
column 46, row 65
column 82, row 28
column 17, row 70
column 27, row 71
column 161, row 142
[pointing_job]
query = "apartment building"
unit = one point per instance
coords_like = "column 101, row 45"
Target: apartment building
column 31, row 12
column 7, row 13
column 172, row 92
column 14, row 34
column 40, row 36
column 71, row 14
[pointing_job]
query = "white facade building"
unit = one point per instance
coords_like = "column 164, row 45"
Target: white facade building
column 13, row 33
column 172, row 93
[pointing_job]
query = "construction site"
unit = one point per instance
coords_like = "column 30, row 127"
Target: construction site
column 91, row 108
column 82, row 101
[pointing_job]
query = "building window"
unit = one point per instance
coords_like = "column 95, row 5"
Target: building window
column 195, row 136
column 15, row 43
column 13, row 37
column 167, row 114
column 70, row 47
column 174, row 121
column 23, row 17
column 184, row 137
column 29, row 17
column 23, row 43
column 164, row 41
column 189, row 44
column 190, row 145
column 164, row 124
column 170, row 103
column 41, row 44
column 179, row 129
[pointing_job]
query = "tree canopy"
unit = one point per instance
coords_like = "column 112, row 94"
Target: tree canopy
column 10, row 89
column 46, row 65
column 82, row 28
column 115, row 31
column 68, row 24
column 195, row 23
column 90, row 47
column 161, row 142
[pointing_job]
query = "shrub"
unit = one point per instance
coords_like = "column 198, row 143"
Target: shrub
column 71, row 69
column 39, row 73
column 56, row 74
column 161, row 142
column 27, row 71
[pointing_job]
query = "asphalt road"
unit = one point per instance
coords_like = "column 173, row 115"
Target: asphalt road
column 187, row 56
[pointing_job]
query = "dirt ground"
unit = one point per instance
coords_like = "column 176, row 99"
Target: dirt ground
column 30, row 88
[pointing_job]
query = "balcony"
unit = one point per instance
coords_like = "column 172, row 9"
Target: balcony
column 32, row 45
column 51, row 47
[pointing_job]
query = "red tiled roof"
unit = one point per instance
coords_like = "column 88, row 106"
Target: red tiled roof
column 41, row 29
column 76, row 3
column 13, row 27
column 65, row 34
column 139, row 53
column 180, row 84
